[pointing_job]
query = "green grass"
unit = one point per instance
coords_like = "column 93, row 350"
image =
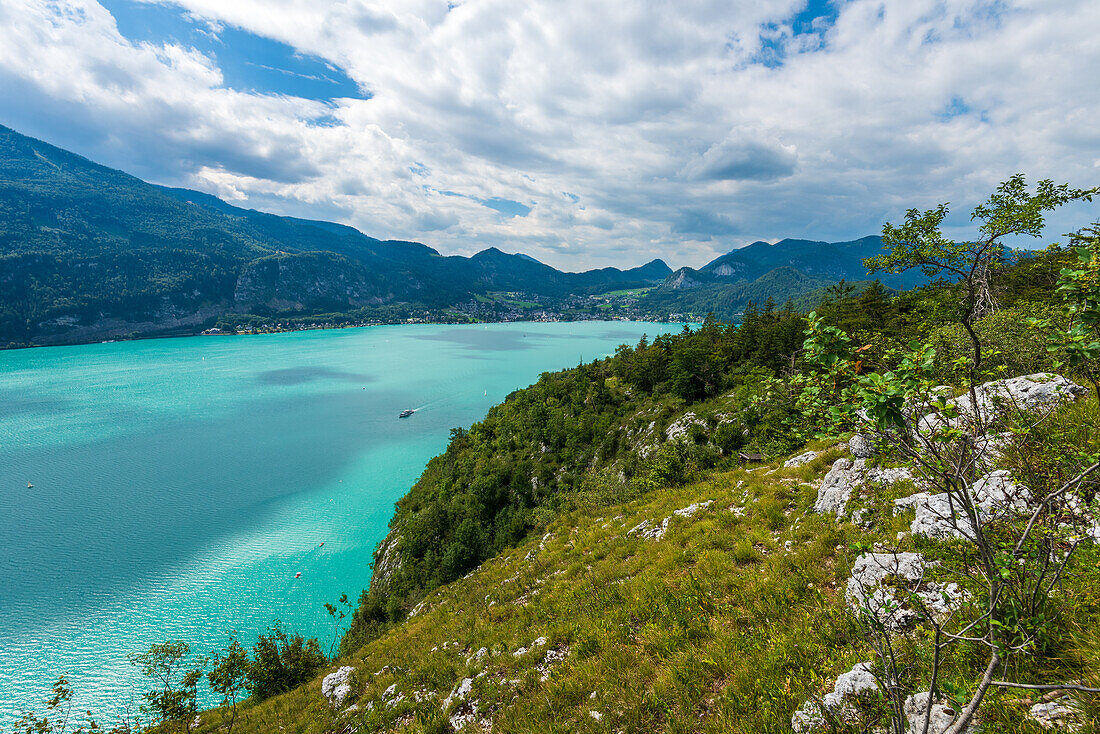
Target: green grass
column 627, row 292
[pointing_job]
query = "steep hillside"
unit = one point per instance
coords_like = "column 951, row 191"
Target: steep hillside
column 720, row 606
column 688, row 537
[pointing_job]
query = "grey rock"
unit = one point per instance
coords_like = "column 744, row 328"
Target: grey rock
column 387, row 559
column 997, row 494
column 842, row 703
column 910, row 502
column 1035, row 393
column 851, row 686
column 810, row 719
column 994, row 400
column 939, row 720
column 889, row 475
column 862, row 446
column 837, row 486
column 680, row 429
column 847, row 475
column 692, row 509
column 336, row 686
column 1056, row 715
column 801, row 459
column 890, row 605
column 939, row 516
column 652, row 530
column 462, row 711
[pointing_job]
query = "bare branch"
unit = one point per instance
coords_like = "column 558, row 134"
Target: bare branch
column 1046, row 687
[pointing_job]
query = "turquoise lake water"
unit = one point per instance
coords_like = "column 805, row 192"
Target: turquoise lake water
column 180, row 484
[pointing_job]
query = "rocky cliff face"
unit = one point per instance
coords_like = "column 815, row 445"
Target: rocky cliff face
column 681, row 279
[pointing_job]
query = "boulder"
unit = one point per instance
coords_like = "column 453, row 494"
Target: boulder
column 1036, row 393
column 890, row 603
column 847, row 475
column 1056, row 715
column 940, row 517
column 836, row 488
column 997, row 494
column 801, row 459
column 939, row 720
column 842, row 703
column 862, row 446
column 336, row 686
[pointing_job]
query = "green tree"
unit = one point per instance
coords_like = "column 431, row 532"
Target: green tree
column 338, row 612
column 1079, row 286
column 228, row 676
column 1010, row 211
column 174, row 692
column 58, row 715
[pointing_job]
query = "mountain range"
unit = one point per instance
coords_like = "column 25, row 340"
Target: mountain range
column 88, row 252
column 821, row 261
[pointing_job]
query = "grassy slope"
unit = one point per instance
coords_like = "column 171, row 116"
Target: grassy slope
column 715, row 628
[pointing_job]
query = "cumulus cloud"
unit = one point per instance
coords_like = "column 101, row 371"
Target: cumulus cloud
column 743, row 160
column 679, row 130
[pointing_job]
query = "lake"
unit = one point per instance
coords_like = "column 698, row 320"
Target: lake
column 181, row 484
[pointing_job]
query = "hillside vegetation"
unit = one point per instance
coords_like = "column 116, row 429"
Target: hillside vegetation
column 728, row 623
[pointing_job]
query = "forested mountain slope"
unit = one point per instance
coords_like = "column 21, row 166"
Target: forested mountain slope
column 89, row 252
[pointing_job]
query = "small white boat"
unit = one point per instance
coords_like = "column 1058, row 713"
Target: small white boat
column 406, row 413
column 298, row 575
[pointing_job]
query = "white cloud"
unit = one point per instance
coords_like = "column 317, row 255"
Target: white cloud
column 669, row 137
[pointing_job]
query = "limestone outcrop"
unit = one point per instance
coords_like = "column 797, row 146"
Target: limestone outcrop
column 801, row 459
column 336, row 686
column 886, row 585
column 941, row 516
column 841, row 704
column 847, row 476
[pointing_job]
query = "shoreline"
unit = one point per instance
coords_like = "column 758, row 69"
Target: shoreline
column 281, row 329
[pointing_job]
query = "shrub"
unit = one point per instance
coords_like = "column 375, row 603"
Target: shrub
column 282, row 662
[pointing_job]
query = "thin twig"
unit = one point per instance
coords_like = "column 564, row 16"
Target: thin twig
column 1051, row 687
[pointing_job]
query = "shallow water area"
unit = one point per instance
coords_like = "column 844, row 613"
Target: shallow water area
column 179, row 485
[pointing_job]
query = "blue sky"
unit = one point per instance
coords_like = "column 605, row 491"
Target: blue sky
column 249, row 62
column 581, row 132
